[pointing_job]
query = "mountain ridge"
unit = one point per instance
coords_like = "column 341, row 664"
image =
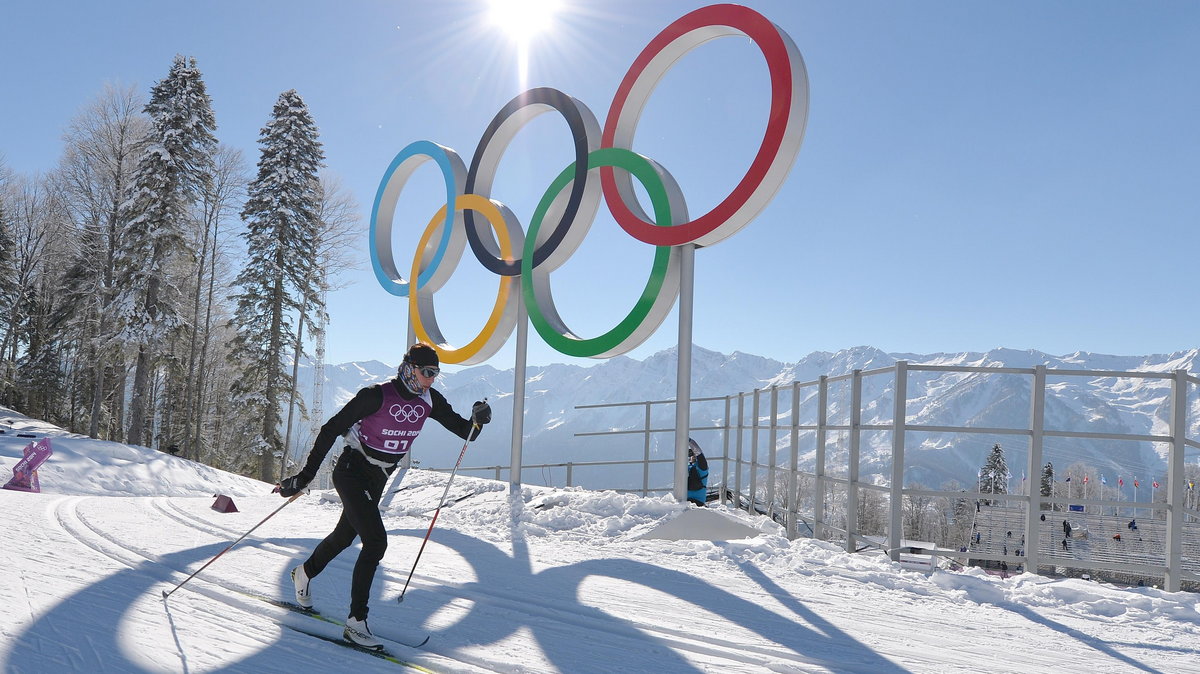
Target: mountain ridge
column 553, row 393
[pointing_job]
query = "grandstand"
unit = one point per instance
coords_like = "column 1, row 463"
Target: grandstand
column 1138, row 557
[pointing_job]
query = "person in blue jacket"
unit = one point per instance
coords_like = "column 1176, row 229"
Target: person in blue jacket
column 697, row 474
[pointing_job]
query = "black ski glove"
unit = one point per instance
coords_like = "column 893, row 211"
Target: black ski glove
column 481, row 412
column 294, row 484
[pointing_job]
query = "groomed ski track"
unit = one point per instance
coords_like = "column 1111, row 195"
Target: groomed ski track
column 190, row 523
column 508, row 602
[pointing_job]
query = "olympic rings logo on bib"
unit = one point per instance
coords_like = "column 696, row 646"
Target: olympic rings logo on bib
column 407, row 413
column 568, row 206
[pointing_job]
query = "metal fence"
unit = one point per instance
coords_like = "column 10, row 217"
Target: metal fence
column 760, row 451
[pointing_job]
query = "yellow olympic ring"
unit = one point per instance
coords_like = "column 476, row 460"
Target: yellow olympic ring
column 503, row 316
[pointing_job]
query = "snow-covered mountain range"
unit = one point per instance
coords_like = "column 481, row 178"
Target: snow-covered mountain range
column 1089, row 404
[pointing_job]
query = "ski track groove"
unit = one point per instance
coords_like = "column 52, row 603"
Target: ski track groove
column 522, row 606
column 513, row 603
column 906, row 650
column 111, row 548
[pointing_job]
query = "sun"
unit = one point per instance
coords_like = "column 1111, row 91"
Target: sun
column 522, row 19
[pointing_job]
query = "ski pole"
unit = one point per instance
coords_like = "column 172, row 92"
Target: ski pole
column 166, row 594
column 474, row 426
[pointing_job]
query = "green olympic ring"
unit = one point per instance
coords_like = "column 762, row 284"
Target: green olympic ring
column 662, row 287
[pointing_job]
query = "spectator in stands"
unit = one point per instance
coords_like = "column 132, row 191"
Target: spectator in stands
column 1117, row 537
column 697, row 474
column 1133, row 524
column 1065, row 544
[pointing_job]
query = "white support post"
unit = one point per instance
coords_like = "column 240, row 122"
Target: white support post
column 646, row 452
column 754, row 411
column 683, row 379
column 1175, row 482
column 855, row 439
column 819, row 469
column 412, row 330
column 793, row 499
column 899, row 416
column 737, row 465
column 725, row 453
column 1037, row 423
column 518, row 417
column 772, row 452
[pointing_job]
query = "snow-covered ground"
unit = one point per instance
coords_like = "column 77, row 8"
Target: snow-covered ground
column 541, row 581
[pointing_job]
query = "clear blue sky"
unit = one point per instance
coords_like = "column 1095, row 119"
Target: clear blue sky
column 973, row 174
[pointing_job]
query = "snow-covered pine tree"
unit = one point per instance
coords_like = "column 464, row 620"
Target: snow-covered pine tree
column 963, row 512
column 40, row 377
column 172, row 172
column 1047, row 486
column 220, row 203
column 993, row 477
column 338, row 227
column 8, row 279
column 8, row 273
column 278, row 282
column 38, row 235
column 102, row 144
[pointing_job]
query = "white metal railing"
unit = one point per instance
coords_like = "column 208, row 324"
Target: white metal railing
column 741, row 455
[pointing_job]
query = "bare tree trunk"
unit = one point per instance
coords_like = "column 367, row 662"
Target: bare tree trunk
column 204, row 344
column 97, row 394
column 137, row 402
column 287, row 436
column 120, row 375
column 193, row 357
column 271, row 413
column 154, row 412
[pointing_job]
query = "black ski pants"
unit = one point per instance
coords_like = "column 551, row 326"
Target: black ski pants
column 360, row 485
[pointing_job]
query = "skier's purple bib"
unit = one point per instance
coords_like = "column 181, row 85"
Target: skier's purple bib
column 392, row 429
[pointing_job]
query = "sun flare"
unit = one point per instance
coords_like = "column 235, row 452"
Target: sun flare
column 522, row 19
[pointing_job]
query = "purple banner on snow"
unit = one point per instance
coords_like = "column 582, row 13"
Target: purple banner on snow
column 25, row 472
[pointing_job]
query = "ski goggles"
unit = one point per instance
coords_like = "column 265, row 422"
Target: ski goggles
column 429, row 371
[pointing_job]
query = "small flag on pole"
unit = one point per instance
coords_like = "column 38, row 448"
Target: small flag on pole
column 1102, row 480
column 1085, row 478
column 1120, row 481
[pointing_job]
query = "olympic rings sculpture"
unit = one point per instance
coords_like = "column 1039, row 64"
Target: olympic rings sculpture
column 569, row 205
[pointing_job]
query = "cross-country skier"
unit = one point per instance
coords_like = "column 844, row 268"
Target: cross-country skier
column 379, row 424
column 697, row 474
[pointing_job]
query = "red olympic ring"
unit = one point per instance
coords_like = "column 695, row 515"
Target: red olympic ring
column 781, row 140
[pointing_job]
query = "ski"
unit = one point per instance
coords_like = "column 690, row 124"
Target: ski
column 380, row 653
column 447, row 504
column 415, row 640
